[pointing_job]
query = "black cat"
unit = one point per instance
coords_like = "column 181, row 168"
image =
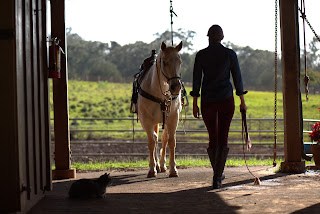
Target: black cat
column 90, row 188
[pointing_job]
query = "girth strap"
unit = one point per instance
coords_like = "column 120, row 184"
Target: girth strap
column 152, row 98
column 157, row 100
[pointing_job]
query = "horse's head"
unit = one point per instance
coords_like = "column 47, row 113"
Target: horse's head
column 170, row 64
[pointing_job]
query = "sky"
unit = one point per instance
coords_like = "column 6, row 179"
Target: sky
column 244, row 22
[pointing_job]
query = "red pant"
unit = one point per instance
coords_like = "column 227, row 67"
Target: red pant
column 217, row 117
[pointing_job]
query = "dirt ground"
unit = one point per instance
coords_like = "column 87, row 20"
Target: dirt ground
column 133, row 192
column 120, row 151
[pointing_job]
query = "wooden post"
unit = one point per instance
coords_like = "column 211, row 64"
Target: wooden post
column 60, row 98
column 291, row 99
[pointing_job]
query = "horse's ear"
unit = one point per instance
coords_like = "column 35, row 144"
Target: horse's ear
column 179, row 47
column 163, row 46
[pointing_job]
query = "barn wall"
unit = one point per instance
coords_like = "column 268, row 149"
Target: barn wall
column 8, row 159
column 24, row 147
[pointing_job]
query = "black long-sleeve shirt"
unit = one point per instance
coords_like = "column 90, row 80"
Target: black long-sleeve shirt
column 211, row 72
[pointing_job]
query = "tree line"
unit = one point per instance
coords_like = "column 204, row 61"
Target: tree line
column 98, row 61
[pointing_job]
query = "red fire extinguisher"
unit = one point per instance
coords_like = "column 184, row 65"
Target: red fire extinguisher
column 54, row 58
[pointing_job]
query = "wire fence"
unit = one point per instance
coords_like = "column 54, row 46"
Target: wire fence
column 107, row 139
column 128, row 129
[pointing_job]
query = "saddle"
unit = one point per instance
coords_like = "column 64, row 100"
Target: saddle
column 138, row 77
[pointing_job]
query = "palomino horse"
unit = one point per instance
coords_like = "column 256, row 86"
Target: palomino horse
column 160, row 101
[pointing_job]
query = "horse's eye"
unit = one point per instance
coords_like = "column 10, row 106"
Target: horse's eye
column 164, row 63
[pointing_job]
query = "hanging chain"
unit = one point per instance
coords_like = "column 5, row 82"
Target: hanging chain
column 304, row 18
column 275, row 81
column 309, row 24
column 313, row 31
column 171, row 15
column 306, row 77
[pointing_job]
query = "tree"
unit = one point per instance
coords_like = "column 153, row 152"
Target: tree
column 313, row 58
column 91, row 60
column 257, row 67
column 87, row 61
column 105, row 71
column 128, row 58
column 187, row 67
column 185, row 36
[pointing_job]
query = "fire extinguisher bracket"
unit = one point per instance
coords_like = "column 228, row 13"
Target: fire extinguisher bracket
column 54, row 58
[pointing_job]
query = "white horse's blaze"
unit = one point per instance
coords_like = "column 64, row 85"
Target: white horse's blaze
column 162, row 78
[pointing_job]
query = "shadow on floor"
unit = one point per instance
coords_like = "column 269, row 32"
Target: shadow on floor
column 312, row 209
column 198, row 200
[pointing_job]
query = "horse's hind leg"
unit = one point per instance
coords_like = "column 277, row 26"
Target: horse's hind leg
column 164, row 141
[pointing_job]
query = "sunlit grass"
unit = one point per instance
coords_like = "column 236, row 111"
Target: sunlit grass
column 181, row 163
column 251, row 162
column 110, row 165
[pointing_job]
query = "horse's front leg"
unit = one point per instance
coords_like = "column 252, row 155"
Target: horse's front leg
column 172, row 163
column 152, row 142
column 156, row 134
column 164, row 142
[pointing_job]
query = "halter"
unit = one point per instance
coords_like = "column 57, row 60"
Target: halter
column 168, row 97
column 168, row 79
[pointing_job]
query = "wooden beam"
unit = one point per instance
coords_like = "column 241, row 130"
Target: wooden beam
column 9, row 158
column 60, row 98
column 291, row 92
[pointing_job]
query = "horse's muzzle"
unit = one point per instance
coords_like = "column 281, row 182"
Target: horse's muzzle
column 175, row 87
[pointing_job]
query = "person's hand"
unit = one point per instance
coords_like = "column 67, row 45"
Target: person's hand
column 196, row 113
column 243, row 107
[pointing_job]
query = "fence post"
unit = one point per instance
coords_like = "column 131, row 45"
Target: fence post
column 259, row 130
column 132, row 118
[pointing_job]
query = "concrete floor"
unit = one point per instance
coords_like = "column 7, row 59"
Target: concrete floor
column 132, row 192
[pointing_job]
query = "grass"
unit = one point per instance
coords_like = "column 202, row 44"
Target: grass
column 181, row 163
column 98, row 100
column 106, row 99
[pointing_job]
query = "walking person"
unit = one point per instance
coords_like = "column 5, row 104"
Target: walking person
column 211, row 73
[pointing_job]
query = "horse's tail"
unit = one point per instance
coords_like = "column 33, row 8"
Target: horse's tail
column 156, row 128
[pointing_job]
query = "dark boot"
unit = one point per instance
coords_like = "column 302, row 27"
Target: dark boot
column 220, row 161
column 212, row 157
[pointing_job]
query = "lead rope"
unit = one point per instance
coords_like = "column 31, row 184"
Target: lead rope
column 246, row 141
column 275, row 82
column 184, row 106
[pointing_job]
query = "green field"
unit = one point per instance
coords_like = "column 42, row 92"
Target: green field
column 105, row 99
column 112, row 100
column 181, row 163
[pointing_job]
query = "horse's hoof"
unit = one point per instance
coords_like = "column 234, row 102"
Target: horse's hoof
column 151, row 174
column 173, row 174
column 158, row 168
column 163, row 169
